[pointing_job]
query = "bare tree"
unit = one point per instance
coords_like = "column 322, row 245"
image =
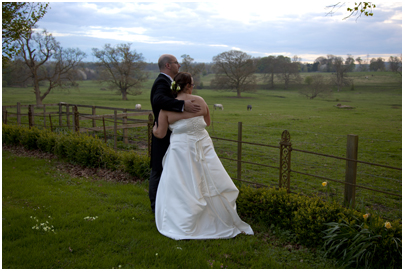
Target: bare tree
column 287, row 70
column 46, row 60
column 121, row 68
column 396, row 64
column 195, row 69
column 316, row 85
column 234, row 71
column 340, row 78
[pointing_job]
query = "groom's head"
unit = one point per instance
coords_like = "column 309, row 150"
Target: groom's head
column 169, row 65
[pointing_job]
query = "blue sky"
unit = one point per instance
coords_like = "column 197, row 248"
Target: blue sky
column 205, row 29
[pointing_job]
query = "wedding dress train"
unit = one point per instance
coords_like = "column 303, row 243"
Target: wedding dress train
column 196, row 197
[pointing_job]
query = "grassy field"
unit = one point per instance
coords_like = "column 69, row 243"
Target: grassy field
column 315, row 125
column 52, row 221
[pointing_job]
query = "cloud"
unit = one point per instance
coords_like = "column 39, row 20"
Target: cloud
column 210, row 28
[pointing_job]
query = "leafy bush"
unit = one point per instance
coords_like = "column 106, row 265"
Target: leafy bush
column 308, row 221
column 136, row 165
column 28, row 138
column 77, row 148
column 47, row 141
column 368, row 242
column 314, row 221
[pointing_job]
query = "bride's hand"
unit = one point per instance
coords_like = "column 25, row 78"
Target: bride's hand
column 190, row 106
column 154, row 128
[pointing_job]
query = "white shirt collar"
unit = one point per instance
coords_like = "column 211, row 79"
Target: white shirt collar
column 167, row 76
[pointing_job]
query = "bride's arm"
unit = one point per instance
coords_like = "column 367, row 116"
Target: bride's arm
column 161, row 130
column 207, row 117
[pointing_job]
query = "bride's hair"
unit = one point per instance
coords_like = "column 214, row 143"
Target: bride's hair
column 182, row 79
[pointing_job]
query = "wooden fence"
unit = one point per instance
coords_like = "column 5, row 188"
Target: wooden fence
column 69, row 116
column 285, row 145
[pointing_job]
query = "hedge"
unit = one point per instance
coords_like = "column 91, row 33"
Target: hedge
column 77, row 148
column 311, row 219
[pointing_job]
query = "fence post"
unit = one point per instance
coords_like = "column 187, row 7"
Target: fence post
column 76, row 119
column 125, row 130
column 44, row 116
column 105, row 134
column 239, row 164
column 285, row 160
column 30, row 117
column 150, row 128
column 93, row 112
column 50, row 122
column 18, row 113
column 60, row 114
column 351, row 170
column 67, row 116
column 4, row 115
column 115, row 129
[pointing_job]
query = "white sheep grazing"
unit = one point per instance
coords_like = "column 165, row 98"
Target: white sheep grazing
column 218, row 106
column 138, row 106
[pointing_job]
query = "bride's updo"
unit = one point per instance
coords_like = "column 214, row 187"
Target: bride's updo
column 180, row 81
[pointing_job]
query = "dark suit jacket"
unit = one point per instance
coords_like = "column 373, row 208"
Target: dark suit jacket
column 161, row 97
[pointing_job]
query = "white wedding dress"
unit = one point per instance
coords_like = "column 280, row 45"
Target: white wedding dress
column 196, row 197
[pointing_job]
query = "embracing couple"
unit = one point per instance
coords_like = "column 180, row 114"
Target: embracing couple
column 190, row 191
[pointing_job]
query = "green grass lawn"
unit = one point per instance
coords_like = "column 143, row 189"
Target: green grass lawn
column 315, row 125
column 91, row 223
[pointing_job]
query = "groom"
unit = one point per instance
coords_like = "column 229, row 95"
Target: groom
column 161, row 97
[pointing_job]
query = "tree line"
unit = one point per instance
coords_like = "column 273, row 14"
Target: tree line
column 36, row 59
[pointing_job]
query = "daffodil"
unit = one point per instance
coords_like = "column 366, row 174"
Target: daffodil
column 365, row 216
column 324, row 183
column 387, row 225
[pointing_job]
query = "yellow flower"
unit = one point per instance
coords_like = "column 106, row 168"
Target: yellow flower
column 324, row 183
column 387, row 225
column 365, row 216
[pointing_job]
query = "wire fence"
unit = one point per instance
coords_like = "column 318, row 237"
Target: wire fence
column 255, row 158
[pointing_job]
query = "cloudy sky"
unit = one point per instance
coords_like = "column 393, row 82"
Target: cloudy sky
column 205, row 29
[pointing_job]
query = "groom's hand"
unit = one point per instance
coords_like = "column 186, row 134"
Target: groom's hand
column 190, row 106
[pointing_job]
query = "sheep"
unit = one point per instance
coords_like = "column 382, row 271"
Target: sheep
column 366, row 77
column 218, row 106
column 249, row 107
column 138, row 106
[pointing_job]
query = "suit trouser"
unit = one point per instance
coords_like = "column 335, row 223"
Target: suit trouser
column 153, row 185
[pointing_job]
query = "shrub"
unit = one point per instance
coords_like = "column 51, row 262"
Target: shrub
column 46, row 141
column 77, row 148
column 309, row 221
column 11, row 134
column 314, row 222
column 136, row 165
column 28, row 138
column 367, row 243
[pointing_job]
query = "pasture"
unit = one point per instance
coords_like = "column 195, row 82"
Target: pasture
column 315, row 125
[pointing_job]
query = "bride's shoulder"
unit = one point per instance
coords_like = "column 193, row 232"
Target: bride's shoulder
column 199, row 98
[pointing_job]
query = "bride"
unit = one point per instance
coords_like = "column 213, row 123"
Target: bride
column 196, row 198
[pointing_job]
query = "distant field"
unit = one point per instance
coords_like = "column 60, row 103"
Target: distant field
column 315, row 125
